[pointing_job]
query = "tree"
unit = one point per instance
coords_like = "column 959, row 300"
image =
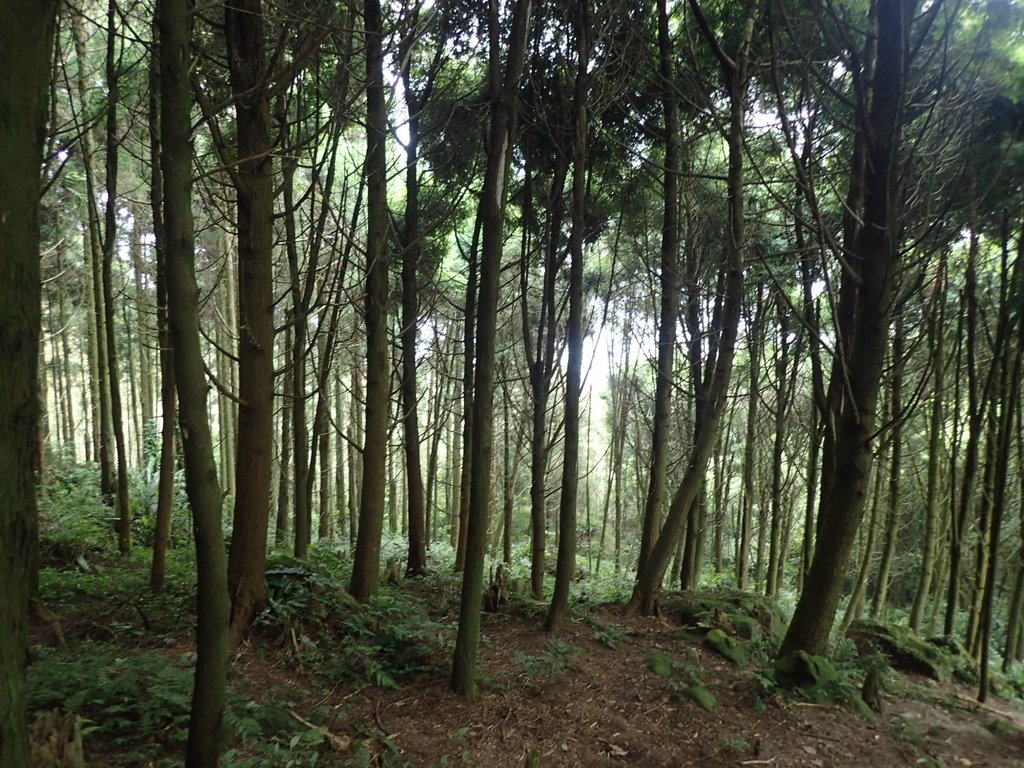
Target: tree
column 26, row 35
column 566, row 563
column 210, row 684
column 866, row 297
column 366, row 564
column 503, row 87
column 253, row 179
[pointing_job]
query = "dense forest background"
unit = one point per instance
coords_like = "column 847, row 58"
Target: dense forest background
column 575, row 298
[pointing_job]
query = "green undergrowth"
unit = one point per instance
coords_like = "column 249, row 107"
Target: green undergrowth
column 311, row 617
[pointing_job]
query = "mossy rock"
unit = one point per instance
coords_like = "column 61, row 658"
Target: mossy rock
column 702, row 696
column 716, row 607
column 726, row 646
column 659, row 664
column 964, row 666
column 903, row 647
column 802, row 670
column 745, row 626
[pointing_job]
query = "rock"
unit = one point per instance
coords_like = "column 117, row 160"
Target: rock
column 745, row 626
column 903, row 648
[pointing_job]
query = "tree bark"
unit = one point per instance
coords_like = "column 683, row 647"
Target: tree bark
column 366, row 562
column 168, row 391
column 26, row 36
column 874, row 255
column 668, row 275
column 565, row 568
column 210, row 687
column 503, row 89
column 243, row 30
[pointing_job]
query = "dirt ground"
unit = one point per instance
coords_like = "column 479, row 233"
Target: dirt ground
column 575, row 701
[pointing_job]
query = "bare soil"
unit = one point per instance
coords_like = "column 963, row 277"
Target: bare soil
column 589, row 697
column 575, row 701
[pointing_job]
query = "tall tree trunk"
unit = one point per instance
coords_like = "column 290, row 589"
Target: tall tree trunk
column 124, row 524
column 775, row 545
column 503, row 88
column 168, row 392
column 749, row 481
column 26, row 36
column 959, row 500
column 892, row 518
column 668, row 274
column 210, row 687
column 285, row 479
column 243, row 31
column 366, row 563
column 468, row 363
column 540, row 356
column 102, row 429
column 565, row 568
column 936, row 444
column 409, row 238
column 869, row 288
column 719, row 367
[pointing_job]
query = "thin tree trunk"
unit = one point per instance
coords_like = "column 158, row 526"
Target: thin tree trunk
column 936, row 445
column 168, row 393
column 113, row 142
column 366, row 562
column 669, row 277
column 210, row 687
column 565, row 569
column 504, row 89
column 892, row 519
column 749, row 480
column 285, row 479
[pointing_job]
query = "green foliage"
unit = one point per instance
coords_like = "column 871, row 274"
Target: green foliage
column 138, row 702
column 556, row 659
column 701, row 696
column 74, row 523
column 375, row 644
column 143, row 492
column 608, row 635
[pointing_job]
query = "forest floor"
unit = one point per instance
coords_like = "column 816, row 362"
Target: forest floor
column 600, row 693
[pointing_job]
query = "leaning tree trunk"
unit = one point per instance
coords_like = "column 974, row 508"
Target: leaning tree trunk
column 26, row 34
column 201, row 484
column 716, row 387
column 874, row 255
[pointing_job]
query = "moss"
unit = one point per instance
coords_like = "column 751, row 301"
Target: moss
column 746, row 627
column 702, row 696
column 726, row 646
column 904, row 648
column 802, row 670
column 659, row 664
